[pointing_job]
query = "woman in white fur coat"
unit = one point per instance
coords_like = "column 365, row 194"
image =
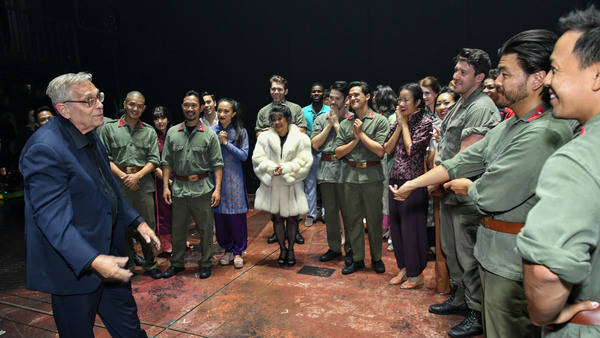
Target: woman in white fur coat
column 282, row 159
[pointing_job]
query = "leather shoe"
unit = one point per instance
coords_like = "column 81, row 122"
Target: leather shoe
column 349, row 258
column 205, row 272
column 378, row 266
column 352, row 268
column 299, row 238
column 172, row 271
column 154, row 273
column 272, row 239
column 329, row 255
column 139, row 261
column 446, row 308
column 469, row 327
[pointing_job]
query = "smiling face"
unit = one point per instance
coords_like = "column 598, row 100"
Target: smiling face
column 209, row 105
column 489, row 88
column 85, row 118
column 406, row 103
column 358, row 100
column 569, row 84
column 225, row 113
column 316, row 94
column 280, row 124
column 43, row 117
column 443, row 104
column 191, row 109
column 278, row 92
column 337, row 100
column 511, row 83
column 428, row 96
column 465, row 79
column 161, row 123
column 134, row 107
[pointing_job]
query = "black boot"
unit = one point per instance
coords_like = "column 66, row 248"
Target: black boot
column 449, row 306
column 469, row 327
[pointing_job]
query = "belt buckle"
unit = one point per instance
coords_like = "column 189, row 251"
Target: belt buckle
column 193, row 178
column 361, row 165
column 334, row 158
column 130, row 170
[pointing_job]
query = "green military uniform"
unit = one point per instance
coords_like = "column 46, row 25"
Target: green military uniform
column 562, row 229
column 262, row 119
column 192, row 153
column 509, row 160
column 330, row 178
column 363, row 188
column 459, row 219
column 133, row 149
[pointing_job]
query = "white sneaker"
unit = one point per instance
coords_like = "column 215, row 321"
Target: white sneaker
column 308, row 222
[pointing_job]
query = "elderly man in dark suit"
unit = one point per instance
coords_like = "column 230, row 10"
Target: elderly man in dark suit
column 75, row 217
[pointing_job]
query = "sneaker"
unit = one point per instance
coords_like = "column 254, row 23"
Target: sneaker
column 226, row 258
column 309, row 222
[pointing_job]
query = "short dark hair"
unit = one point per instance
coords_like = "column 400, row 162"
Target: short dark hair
column 211, row 95
column 340, row 86
column 477, row 58
column 280, row 109
column 39, row 110
column 366, row 89
column 533, row 49
column 587, row 47
column 493, row 74
column 193, row 93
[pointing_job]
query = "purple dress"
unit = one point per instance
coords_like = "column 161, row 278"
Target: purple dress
column 230, row 215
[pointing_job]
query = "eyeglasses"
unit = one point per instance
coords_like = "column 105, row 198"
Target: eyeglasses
column 91, row 102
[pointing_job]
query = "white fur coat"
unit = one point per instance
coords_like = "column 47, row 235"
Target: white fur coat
column 282, row 194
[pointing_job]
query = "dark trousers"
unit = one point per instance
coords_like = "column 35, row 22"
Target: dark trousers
column 232, row 232
column 75, row 314
column 408, row 226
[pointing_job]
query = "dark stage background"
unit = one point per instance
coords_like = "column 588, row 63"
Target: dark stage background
column 231, row 48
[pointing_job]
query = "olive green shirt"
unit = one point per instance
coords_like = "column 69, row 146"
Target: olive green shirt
column 562, row 231
column 192, row 154
column 262, row 118
column 131, row 148
column 329, row 171
column 509, row 159
column 376, row 127
column 475, row 115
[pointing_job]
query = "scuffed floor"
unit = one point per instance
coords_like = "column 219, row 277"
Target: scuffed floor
column 260, row 300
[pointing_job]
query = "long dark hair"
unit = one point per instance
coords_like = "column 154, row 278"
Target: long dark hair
column 162, row 111
column 417, row 94
column 236, row 121
column 385, row 100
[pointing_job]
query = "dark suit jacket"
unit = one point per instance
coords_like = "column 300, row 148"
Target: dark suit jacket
column 68, row 217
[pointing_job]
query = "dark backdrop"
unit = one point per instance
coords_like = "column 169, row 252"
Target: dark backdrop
column 231, row 48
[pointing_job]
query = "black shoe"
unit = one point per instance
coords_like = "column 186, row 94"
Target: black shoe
column 172, row 271
column 139, row 261
column 349, row 258
column 446, row 308
column 299, row 238
column 329, row 255
column 282, row 257
column 205, row 272
column 352, row 268
column 291, row 259
column 378, row 266
column 154, row 273
column 272, row 239
column 469, row 327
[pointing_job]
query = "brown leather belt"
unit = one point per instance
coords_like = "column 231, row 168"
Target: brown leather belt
column 590, row 317
column 329, row 157
column 501, row 226
column 191, row 178
column 130, row 170
column 363, row 164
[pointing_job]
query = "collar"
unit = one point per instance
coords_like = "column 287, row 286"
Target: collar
column 536, row 113
column 346, row 115
column 591, row 123
column 181, row 126
column 122, row 122
column 81, row 141
column 474, row 95
column 369, row 114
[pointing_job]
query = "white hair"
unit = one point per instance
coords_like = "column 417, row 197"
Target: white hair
column 59, row 89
